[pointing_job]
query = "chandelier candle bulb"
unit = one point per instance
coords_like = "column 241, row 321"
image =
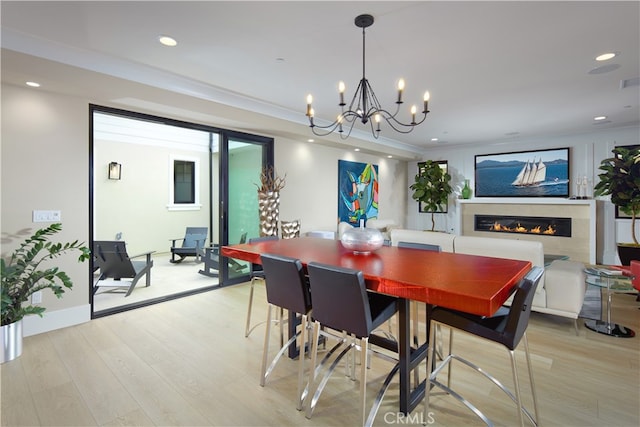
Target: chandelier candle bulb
column 309, row 109
column 413, row 114
column 341, row 89
column 426, row 102
column 400, row 89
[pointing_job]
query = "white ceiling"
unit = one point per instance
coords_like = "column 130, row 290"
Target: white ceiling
column 497, row 71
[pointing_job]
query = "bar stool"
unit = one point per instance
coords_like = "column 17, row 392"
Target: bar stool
column 342, row 303
column 507, row 328
column 256, row 273
column 287, row 289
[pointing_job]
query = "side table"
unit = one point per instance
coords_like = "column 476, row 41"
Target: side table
column 613, row 281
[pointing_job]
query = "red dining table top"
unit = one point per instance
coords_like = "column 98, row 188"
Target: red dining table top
column 474, row 284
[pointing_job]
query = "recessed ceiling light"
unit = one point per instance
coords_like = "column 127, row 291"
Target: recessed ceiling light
column 33, row 84
column 597, row 118
column 310, row 140
column 390, row 156
column 167, row 41
column 606, row 56
column 434, row 139
column 356, row 149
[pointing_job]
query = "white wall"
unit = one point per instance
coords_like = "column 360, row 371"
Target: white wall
column 137, row 206
column 45, row 153
column 586, row 152
column 311, row 192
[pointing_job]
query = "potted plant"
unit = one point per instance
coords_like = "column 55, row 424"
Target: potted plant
column 431, row 188
column 23, row 274
column 620, row 179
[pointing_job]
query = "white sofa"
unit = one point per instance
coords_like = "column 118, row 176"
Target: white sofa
column 561, row 290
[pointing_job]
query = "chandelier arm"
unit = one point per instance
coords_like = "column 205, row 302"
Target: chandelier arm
column 324, row 130
column 348, row 133
column 400, row 127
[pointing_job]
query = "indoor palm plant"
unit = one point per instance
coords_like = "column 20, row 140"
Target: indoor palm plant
column 431, row 188
column 24, row 272
column 620, row 179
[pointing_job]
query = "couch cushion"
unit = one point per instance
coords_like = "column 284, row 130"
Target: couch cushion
column 566, row 286
column 444, row 240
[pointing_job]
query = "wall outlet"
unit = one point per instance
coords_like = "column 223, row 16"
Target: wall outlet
column 47, row 216
column 36, row 297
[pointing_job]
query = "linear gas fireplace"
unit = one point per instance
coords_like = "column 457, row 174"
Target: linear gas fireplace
column 546, row 226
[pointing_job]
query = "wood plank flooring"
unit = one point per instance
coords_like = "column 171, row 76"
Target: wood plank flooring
column 186, row 362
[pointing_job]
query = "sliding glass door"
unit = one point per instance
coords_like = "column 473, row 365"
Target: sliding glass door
column 173, row 175
column 244, row 157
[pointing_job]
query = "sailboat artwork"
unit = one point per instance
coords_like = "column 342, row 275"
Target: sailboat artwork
column 539, row 173
column 531, row 174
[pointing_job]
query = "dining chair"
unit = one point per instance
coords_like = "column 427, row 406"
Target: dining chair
column 287, row 289
column 507, row 328
column 257, row 274
column 342, row 303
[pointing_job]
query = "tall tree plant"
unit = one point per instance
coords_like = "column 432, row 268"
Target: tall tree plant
column 620, row 179
column 432, row 188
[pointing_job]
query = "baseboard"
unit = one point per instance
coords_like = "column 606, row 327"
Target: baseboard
column 52, row 320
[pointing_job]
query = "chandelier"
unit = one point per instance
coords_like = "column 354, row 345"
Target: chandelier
column 364, row 105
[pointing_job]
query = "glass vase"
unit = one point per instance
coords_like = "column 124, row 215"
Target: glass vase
column 466, row 190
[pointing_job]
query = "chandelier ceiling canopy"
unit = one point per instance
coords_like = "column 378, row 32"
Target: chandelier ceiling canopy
column 364, row 105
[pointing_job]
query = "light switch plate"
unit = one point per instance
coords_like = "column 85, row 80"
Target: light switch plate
column 47, row 216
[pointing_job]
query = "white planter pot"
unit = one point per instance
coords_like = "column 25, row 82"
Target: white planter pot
column 11, row 338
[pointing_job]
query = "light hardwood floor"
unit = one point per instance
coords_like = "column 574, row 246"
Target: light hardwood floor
column 186, row 362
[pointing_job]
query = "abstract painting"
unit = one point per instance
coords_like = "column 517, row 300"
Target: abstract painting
column 357, row 191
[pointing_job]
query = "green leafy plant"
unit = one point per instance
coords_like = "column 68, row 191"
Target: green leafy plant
column 22, row 274
column 620, row 179
column 432, row 188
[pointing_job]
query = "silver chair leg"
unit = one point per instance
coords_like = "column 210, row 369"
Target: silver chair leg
column 431, row 354
column 248, row 329
column 265, row 348
column 364, row 352
column 533, row 386
column 303, row 331
column 514, row 370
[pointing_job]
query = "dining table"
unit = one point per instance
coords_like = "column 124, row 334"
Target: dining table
column 474, row 284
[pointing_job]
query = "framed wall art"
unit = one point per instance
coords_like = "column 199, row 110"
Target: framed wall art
column 540, row 173
column 357, row 191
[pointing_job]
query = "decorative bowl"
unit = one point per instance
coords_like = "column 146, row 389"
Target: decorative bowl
column 362, row 240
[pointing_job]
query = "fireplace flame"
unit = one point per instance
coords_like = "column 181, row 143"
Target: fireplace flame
column 550, row 230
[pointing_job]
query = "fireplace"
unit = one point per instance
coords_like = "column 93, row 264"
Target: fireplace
column 543, row 226
column 581, row 246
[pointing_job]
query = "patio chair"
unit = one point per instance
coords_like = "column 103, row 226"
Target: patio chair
column 115, row 265
column 211, row 260
column 193, row 244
